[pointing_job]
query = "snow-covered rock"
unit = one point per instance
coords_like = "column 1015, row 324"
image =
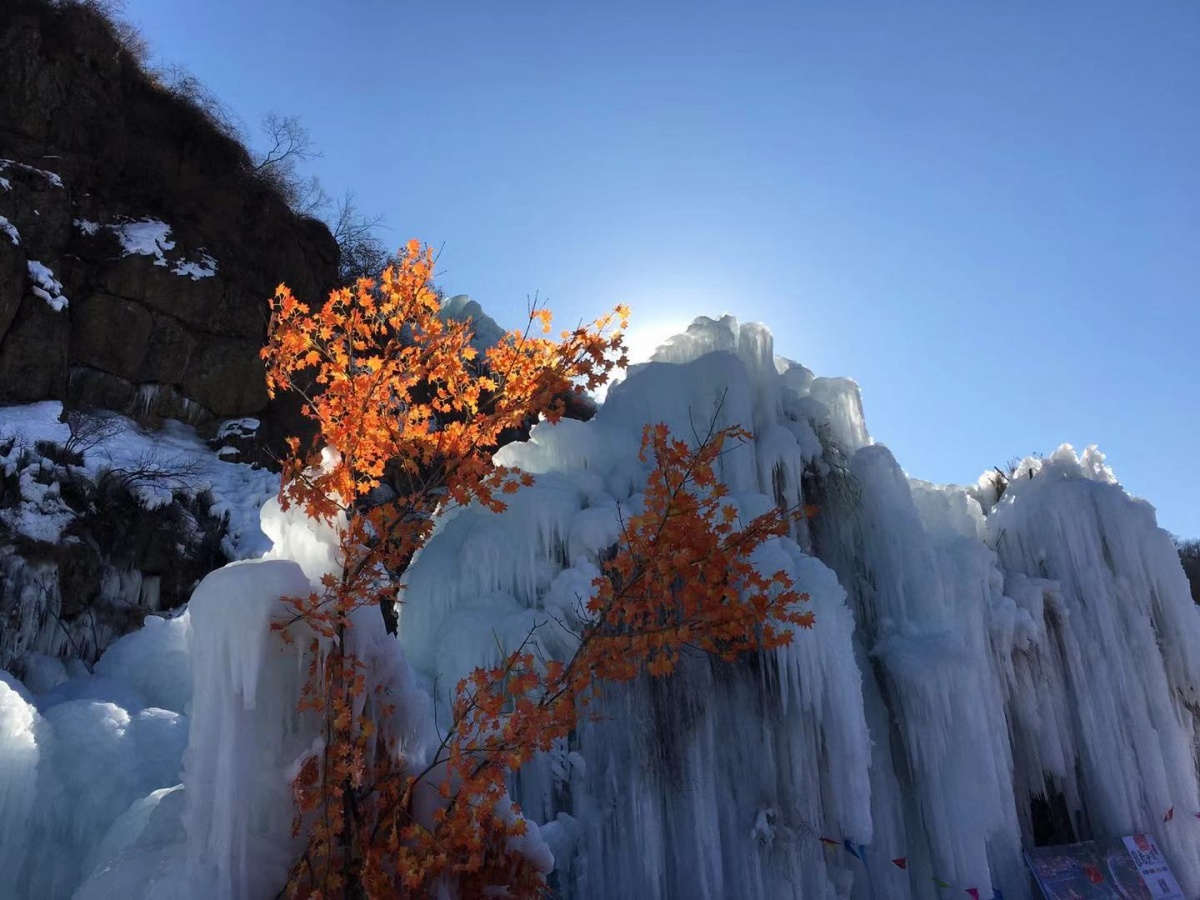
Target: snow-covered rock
column 106, row 521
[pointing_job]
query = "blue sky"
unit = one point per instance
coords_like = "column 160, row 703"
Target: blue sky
column 986, row 214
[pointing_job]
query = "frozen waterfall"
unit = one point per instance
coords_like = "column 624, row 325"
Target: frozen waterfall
column 992, row 667
column 975, row 662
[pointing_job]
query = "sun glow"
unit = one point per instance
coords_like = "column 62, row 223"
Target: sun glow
column 642, row 338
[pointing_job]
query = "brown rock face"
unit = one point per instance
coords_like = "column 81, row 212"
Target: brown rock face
column 161, row 319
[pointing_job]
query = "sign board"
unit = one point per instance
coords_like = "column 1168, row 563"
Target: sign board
column 1129, row 868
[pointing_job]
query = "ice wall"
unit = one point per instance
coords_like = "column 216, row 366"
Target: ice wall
column 987, row 670
column 1104, row 684
column 968, row 655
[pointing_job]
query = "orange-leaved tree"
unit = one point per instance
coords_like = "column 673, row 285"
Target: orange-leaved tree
column 391, row 383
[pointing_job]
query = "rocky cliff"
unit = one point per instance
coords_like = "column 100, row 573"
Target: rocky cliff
column 137, row 246
column 137, row 252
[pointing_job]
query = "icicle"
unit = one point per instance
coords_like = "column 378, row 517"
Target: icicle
column 245, row 732
column 19, row 754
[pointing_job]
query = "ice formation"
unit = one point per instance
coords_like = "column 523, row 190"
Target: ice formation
column 993, row 666
column 969, row 655
column 245, row 737
column 76, row 756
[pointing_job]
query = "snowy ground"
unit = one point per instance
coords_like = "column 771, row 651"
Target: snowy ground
column 237, row 490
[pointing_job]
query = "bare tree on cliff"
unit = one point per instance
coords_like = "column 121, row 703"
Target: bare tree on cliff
column 291, row 144
column 363, row 254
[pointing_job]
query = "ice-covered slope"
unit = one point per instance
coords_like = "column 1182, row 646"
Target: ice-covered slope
column 969, row 653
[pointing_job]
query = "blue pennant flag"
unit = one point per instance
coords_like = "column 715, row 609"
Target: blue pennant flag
column 850, row 848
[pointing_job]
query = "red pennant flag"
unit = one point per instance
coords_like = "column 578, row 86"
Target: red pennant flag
column 1095, row 876
column 974, row 892
column 900, row 862
column 831, row 842
column 1170, row 815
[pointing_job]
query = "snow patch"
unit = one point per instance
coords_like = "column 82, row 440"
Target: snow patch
column 150, row 237
column 11, row 230
column 147, row 237
column 13, row 164
column 205, row 267
column 46, row 286
column 238, row 428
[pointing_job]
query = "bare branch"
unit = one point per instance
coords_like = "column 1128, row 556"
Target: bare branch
column 363, row 254
column 290, row 143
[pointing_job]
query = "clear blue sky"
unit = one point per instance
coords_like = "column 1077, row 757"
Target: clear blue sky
column 986, row 213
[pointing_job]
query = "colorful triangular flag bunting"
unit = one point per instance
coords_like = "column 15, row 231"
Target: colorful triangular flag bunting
column 900, row 862
column 830, row 841
column 974, row 892
column 850, row 848
column 940, row 883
